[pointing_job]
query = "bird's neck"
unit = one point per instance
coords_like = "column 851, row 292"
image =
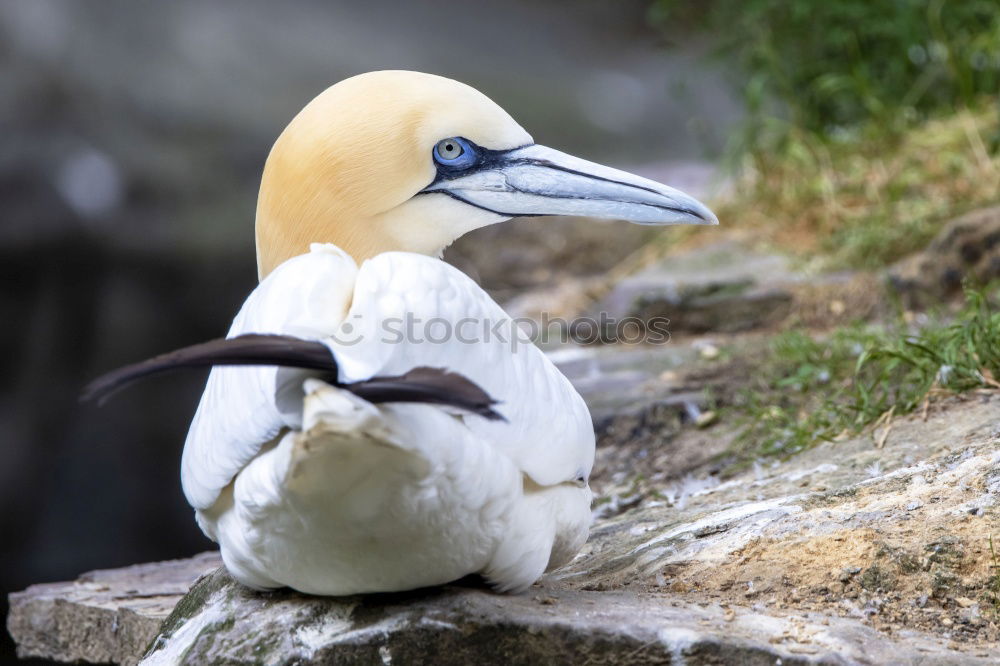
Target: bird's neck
column 296, row 208
column 281, row 238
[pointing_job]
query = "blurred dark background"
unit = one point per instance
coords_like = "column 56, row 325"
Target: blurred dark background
column 133, row 135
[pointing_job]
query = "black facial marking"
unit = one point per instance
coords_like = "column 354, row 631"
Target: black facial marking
column 491, row 159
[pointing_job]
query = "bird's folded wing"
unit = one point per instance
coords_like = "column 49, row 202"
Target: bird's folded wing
column 397, row 312
column 410, row 310
column 243, row 408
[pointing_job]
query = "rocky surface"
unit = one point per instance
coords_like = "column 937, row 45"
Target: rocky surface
column 846, row 554
column 729, row 286
column 897, row 537
column 968, row 248
column 552, row 625
column 102, row 616
column 722, row 287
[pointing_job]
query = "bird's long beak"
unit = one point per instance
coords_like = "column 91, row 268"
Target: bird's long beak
column 535, row 180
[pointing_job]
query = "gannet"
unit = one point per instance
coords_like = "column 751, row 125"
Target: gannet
column 316, row 461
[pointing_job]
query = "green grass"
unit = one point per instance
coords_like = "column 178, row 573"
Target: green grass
column 808, row 390
column 831, row 67
column 868, row 201
column 956, row 357
column 992, row 592
column 800, row 392
column 868, row 124
column 862, row 202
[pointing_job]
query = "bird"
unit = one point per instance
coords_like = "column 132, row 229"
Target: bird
column 339, row 447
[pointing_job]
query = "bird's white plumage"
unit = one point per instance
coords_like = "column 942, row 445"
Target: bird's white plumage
column 243, row 408
column 306, row 485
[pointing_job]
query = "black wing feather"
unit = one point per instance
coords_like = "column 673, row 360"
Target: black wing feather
column 423, row 384
column 250, row 349
column 434, row 385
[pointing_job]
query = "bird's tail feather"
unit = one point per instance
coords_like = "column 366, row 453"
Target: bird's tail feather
column 422, row 384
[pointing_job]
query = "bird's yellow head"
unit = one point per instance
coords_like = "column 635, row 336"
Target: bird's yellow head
column 399, row 160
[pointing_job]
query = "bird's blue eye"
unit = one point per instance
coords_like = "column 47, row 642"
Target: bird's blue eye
column 456, row 153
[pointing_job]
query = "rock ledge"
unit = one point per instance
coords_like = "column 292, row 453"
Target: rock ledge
column 111, row 616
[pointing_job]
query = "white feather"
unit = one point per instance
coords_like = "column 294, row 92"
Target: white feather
column 306, row 485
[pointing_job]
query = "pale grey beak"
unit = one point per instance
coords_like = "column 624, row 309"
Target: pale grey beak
column 535, row 180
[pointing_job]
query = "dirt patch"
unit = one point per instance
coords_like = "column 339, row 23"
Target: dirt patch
column 836, row 301
column 935, row 583
column 897, row 538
